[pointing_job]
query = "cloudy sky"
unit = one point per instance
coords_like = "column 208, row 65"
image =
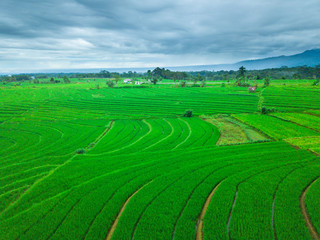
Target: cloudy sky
column 51, row 34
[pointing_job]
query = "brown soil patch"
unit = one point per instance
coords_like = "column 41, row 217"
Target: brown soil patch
column 115, row 223
column 199, row 235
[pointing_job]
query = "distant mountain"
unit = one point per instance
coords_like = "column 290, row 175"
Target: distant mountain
column 309, row 58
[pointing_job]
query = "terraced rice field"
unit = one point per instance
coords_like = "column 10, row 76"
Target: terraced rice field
column 291, row 98
column 124, row 164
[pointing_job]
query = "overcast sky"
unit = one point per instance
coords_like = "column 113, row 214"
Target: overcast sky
column 45, row 34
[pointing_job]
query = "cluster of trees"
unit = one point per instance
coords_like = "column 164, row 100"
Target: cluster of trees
column 166, row 74
column 52, row 80
column 16, row 78
column 242, row 75
column 302, row 72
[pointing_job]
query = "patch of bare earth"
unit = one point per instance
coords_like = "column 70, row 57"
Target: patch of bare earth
column 199, row 234
column 115, row 223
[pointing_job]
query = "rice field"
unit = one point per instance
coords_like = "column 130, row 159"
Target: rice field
column 82, row 163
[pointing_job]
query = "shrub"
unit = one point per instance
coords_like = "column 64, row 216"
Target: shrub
column 110, row 84
column 316, row 82
column 188, row 113
column 265, row 110
column 80, row 151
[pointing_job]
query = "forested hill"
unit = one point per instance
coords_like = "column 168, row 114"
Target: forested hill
column 309, row 58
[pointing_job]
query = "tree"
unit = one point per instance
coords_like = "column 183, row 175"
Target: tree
column 195, row 80
column 110, row 84
column 149, row 74
column 154, row 80
column 241, row 76
column 117, row 78
column 267, row 81
column 241, row 72
column 52, row 80
column 183, row 83
column 296, row 76
column 66, row 79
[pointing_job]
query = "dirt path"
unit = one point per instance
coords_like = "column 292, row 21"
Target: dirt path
column 199, row 234
column 91, row 146
column 305, row 214
column 115, row 223
column 230, row 214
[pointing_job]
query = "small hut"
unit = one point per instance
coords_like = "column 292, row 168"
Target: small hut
column 127, row 81
column 252, row 89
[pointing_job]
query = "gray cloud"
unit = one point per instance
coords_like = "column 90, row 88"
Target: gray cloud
column 132, row 33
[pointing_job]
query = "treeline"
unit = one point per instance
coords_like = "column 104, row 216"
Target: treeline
column 16, row 78
column 302, row 72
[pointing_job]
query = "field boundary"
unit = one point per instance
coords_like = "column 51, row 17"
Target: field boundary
column 254, row 128
column 298, row 124
column 115, row 223
column 98, row 139
column 199, row 233
column 304, row 211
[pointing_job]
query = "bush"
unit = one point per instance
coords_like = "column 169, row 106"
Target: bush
column 110, row 84
column 80, row 151
column 188, row 113
column 183, row 84
column 265, row 110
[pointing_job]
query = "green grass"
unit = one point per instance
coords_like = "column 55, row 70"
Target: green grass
column 235, row 132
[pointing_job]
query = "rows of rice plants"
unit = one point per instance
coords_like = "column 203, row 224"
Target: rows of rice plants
column 127, row 136
column 312, row 203
column 38, row 149
column 142, row 158
column 274, row 127
column 131, row 102
column 303, row 119
column 76, row 202
column 291, row 98
column 308, row 143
